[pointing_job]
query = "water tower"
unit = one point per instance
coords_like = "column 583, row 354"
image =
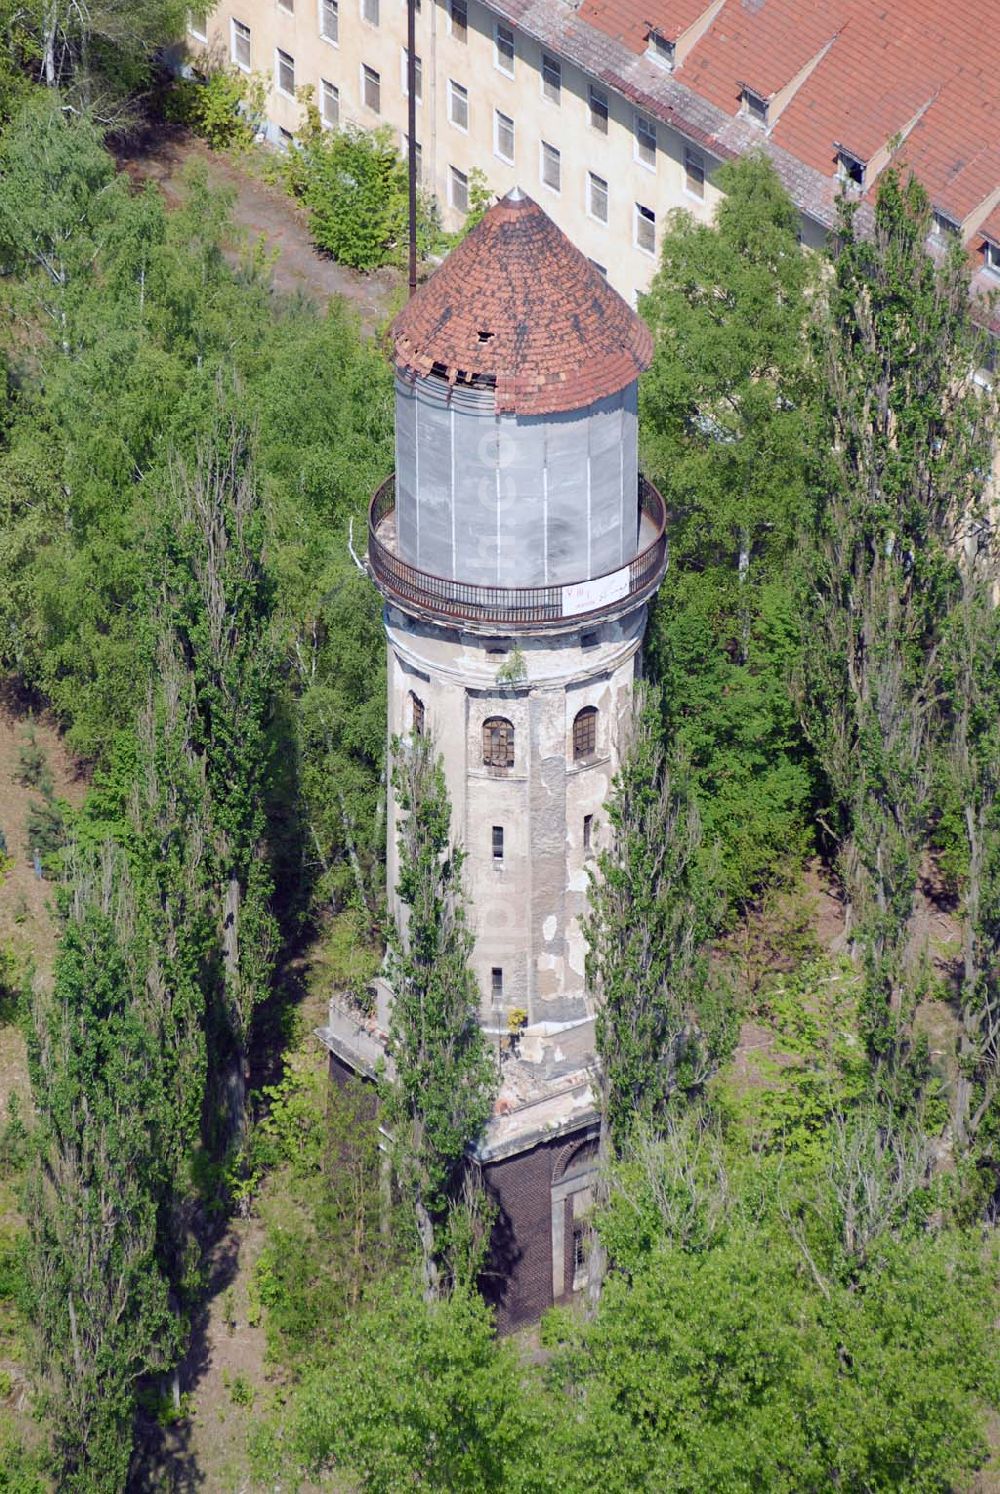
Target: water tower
column 516, row 548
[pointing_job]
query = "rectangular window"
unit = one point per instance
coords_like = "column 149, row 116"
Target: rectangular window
column 991, row 256
column 404, row 150
column 850, row 170
column 329, row 21
column 503, row 136
column 588, row 832
column 660, row 49
column 371, row 89
column 418, row 76
column 694, row 172
column 460, row 20
column 458, row 189
column 503, row 49
column 597, row 197
column 645, row 140
column 286, row 138
column 645, row 229
column 551, row 167
column 598, row 110
column 551, row 78
column 497, row 842
column 329, row 104
column 288, row 5
column 284, row 72
column 369, row 11
column 496, row 983
column 458, row 105
column 241, row 45
column 198, row 24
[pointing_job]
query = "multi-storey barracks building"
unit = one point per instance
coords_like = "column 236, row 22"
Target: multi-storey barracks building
column 613, row 112
column 516, row 548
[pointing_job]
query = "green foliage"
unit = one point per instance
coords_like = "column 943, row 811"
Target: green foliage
column 32, row 766
column 663, row 1025
column 412, row 1395
column 728, row 411
column 354, row 185
column 101, row 1313
column 445, row 1075
column 224, row 106
column 908, row 449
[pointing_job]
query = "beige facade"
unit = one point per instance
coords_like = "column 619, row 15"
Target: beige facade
column 605, row 172
column 530, row 829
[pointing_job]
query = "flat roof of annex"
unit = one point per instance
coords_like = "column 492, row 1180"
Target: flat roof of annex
column 517, row 309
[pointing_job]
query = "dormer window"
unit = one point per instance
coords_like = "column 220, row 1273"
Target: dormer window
column 755, row 106
column 660, row 49
column 991, row 256
column 850, row 169
column 943, row 227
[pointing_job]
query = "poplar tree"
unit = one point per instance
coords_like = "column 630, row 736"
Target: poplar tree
column 905, row 474
column 444, row 1076
column 662, row 1027
column 218, row 604
column 101, row 1312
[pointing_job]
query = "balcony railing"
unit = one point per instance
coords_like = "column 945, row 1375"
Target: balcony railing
column 517, row 606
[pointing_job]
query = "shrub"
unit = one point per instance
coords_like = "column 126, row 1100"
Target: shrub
column 224, row 106
column 353, row 183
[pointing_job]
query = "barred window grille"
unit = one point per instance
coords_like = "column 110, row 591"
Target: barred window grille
column 498, row 742
column 585, row 733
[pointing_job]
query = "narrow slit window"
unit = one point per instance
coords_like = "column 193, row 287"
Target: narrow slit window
column 588, row 832
column 597, row 195
column 585, row 734
column 497, row 842
column 496, row 983
column 551, row 167
column 645, row 229
column 503, row 138
column 498, row 742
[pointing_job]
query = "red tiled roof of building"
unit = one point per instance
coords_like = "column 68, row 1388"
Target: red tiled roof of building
column 920, row 76
column 517, row 306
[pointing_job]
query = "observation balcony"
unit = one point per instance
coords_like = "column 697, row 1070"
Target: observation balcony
column 532, row 608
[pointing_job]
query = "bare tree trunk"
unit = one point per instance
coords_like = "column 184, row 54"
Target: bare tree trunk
column 429, row 1268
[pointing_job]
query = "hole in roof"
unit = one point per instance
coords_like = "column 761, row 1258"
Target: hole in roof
column 486, row 336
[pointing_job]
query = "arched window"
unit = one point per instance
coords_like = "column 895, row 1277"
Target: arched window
column 498, row 742
column 416, row 714
column 585, row 734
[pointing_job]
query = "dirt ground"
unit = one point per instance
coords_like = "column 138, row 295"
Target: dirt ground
column 262, row 211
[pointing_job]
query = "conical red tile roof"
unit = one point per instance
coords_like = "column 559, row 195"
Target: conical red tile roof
column 517, row 306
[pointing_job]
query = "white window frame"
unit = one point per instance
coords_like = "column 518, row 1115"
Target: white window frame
column 643, row 214
column 991, row 257
column 846, row 163
column 943, row 227
column 500, row 61
column 661, row 50
column 370, row 12
column 544, row 147
column 192, row 24
column 552, row 91
column 458, row 94
column 499, row 115
column 599, row 94
column 236, row 27
column 455, row 172
column 644, row 139
column 694, row 169
column 322, row 5
column 281, row 55
column 366, row 68
column 404, row 79
column 592, row 177
column 326, row 88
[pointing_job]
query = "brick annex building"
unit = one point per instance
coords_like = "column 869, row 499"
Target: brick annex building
column 614, row 112
column 517, row 521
